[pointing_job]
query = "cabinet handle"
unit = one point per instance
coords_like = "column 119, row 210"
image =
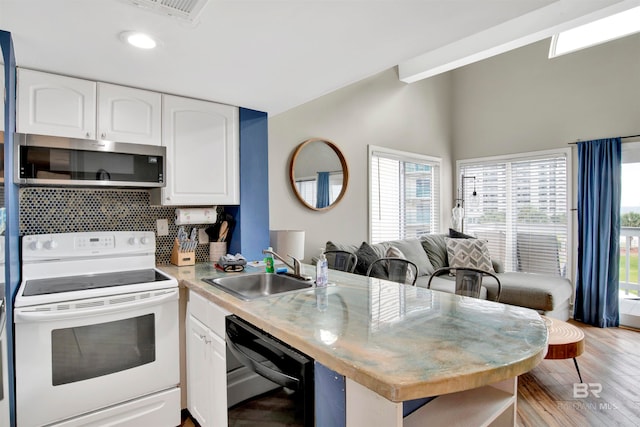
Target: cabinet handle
column 104, row 135
column 88, row 135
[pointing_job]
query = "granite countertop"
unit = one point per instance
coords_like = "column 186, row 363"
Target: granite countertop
column 403, row 342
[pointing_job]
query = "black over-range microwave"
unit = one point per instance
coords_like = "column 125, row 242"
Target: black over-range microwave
column 51, row 160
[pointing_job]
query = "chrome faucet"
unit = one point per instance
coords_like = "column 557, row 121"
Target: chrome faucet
column 296, row 266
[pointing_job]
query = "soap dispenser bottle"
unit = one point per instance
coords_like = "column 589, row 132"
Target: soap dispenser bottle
column 322, row 270
column 268, row 261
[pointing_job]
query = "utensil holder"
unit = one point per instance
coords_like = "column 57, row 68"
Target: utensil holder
column 217, row 250
column 182, row 258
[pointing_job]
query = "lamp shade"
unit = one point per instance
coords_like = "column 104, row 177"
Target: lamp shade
column 288, row 242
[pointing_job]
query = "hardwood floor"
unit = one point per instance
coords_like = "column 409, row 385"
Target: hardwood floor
column 545, row 395
column 273, row 409
column 611, row 361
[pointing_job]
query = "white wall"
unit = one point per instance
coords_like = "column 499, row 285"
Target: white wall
column 522, row 101
column 379, row 110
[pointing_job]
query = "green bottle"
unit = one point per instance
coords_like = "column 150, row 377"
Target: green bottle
column 268, row 262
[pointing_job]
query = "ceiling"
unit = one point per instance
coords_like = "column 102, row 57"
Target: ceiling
column 275, row 55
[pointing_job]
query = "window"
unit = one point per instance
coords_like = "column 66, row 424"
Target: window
column 521, row 209
column 597, row 32
column 404, row 194
column 629, row 224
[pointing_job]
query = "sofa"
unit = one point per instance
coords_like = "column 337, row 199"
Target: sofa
column 550, row 295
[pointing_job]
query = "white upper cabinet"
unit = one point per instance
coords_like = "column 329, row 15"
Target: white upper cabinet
column 202, row 152
column 49, row 104
column 127, row 114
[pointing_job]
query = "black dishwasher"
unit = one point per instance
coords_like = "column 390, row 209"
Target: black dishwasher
column 274, row 360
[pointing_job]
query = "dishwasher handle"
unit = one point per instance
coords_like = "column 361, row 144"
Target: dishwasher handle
column 277, row 377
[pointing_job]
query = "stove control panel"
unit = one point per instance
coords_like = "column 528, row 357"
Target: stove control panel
column 100, row 243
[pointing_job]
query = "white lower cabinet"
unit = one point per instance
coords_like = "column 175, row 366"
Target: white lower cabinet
column 206, row 362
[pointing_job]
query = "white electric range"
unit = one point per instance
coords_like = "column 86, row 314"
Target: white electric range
column 96, row 332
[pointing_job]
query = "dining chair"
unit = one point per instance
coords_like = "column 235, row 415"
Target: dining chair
column 395, row 269
column 341, row 260
column 468, row 280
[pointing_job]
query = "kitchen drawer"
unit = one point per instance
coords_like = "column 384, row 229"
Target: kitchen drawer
column 208, row 313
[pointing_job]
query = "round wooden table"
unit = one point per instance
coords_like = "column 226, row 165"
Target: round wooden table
column 565, row 341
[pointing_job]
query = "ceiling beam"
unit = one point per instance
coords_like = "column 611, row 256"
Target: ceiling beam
column 529, row 28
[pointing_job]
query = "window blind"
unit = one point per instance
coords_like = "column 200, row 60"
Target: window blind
column 404, row 195
column 520, row 209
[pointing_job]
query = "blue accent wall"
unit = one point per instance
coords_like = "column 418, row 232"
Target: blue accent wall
column 11, row 259
column 251, row 235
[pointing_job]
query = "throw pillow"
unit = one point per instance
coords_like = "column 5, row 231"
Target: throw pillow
column 394, row 252
column 402, row 270
column 455, row 234
column 332, row 246
column 366, row 255
column 414, row 252
column 435, row 245
column 469, row 253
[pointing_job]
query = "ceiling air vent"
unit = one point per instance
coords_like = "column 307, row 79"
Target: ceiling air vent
column 188, row 10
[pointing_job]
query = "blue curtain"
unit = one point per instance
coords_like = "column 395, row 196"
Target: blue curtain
column 599, row 176
column 322, row 199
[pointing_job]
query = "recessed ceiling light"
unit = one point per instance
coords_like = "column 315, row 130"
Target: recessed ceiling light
column 138, row 39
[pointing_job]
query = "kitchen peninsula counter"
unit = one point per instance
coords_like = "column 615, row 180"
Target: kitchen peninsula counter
column 401, row 342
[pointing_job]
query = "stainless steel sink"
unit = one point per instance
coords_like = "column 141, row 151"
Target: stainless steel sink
column 258, row 285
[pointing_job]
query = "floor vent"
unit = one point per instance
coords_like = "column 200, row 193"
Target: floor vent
column 187, row 10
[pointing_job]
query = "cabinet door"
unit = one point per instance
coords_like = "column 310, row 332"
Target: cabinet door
column 198, row 375
column 202, row 152
column 218, row 369
column 49, row 104
column 127, row 114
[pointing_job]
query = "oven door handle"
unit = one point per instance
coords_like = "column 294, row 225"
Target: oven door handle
column 26, row 315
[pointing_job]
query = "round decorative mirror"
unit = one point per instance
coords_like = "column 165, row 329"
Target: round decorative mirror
column 318, row 173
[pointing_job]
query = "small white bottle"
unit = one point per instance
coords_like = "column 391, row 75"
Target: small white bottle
column 322, row 270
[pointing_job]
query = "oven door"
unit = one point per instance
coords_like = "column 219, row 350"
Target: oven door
column 80, row 356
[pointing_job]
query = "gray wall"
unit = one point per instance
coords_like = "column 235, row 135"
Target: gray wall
column 522, row 101
column 379, row 110
column 516, row 102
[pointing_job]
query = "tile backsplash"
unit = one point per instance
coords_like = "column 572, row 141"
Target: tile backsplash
column 67, row 209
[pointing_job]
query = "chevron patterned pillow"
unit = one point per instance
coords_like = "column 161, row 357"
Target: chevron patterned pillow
column 469, row 253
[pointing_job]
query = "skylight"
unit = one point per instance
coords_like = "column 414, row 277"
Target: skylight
column 597, row 32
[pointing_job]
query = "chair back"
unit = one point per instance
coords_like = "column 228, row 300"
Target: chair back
column 341, row 260
column 395, row 269
column 468, row 280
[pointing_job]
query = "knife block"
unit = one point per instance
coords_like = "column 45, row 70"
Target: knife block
column 182, row 258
